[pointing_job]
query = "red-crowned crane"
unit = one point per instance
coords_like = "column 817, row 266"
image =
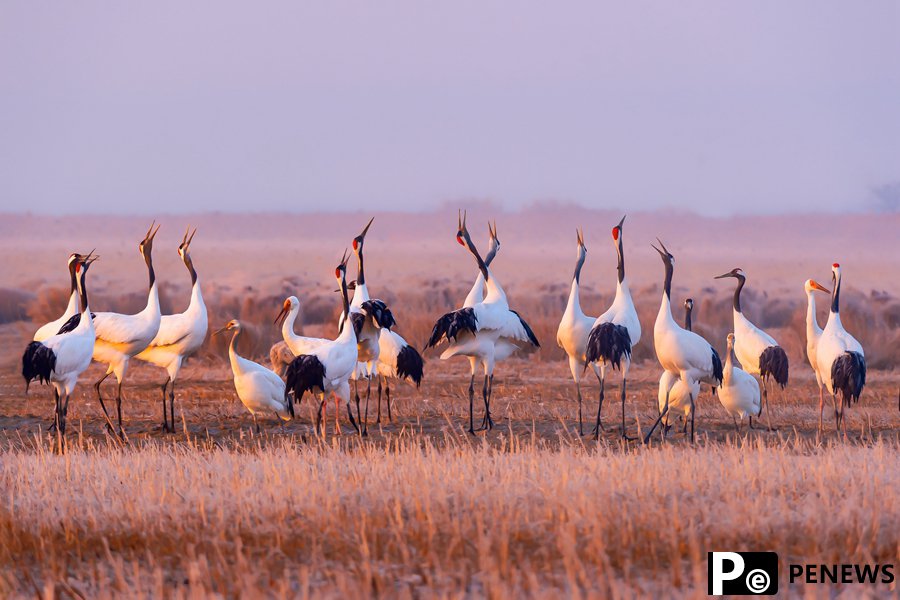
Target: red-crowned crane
column 179, row 335
column 72, row 308
column 841, row 360
column 327, row 369
column 681, row 351
column 615, row 332
column 62, row 358
column 120, row 337
column 489, row 330
column 757, row 351
column 575, row 329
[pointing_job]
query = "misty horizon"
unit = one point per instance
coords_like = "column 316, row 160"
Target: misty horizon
column 749, row 108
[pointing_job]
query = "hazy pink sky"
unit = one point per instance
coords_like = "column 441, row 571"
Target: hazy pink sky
column 191, row 106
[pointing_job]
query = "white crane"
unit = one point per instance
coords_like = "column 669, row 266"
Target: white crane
column 488, row 331
column 739, row 390
column 327, row 369
column 368, row 317
column 119, row 337
column 476, row 294
column 681, row 351
column 757, row 351
column 841, row 360
column 575, row 328
column 672, row 390
column 259, row 389
column 179, row 335
column 813, row 334
column 72, row 308
column 615, row 332
column 61, row 358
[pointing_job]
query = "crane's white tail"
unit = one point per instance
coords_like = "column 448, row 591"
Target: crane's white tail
column 610, row 343
column 410, row 365
column 848, row 374
column 38, row 362
column 305, row 374
column 773, row 362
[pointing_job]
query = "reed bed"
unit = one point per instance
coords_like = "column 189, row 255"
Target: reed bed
column 278, row 516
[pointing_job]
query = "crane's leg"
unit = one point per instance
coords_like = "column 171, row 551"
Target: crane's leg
column 350, row 414
column 821, row 408
column 766, row 400
column 693, row 415
column 662, row 414
column 172, row 405
column 378, row 414
column 65, row 412
column 490, row 395
column 735, row 424
column 837, row 421
column 365, row 423
column 624, row 434
column 320, row 426
column 580, row 422
column 165, row 423
column 387, row 386
column 599, row 424
column 356, row 393
column 103, row 406
column 119, row 409
column 484, row 397
column 57, row 416
column 255, row 422
column 337, row 416
column 472, row 403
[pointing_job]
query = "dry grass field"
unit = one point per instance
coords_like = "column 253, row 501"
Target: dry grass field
column 419, row 508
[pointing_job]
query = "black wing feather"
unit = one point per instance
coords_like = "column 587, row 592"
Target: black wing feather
column 410, row 365
column 848, row 374
column 380, row 312
column 71, row 324
column 717, row 366
column 306, row 373
column 609, row 343
column 38, row 362
column 452, row 324
column 773, row 362
column 531, row 337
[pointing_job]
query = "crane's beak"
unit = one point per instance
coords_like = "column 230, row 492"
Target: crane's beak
column 218, row 331
column 281, row 316
column 621, row 222
column 366, row 230
column 724, row 275
column 818, row 286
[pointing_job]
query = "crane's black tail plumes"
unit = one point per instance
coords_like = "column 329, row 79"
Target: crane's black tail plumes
column 848, row 374
column 452, row 324
column 380, row 312
column 38, row 362
column 717, row 366
column 410, row 365
column 610, row 343
column 773, row 362
column 305, row 374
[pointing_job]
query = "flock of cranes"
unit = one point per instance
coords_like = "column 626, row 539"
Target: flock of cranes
column 484, row 329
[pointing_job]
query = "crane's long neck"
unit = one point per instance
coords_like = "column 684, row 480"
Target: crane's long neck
column 687, row 317
column 578, row 264
column 287, row 326
column 190, row 267
column 621, row 253
column 361, row 275
column 728, row 367
column 233, row 356
column 667, row 284
column 573, row 306
column 347, row 332
column 82, row 285
column 813, row 331
column 836, row 296
column 737, row 293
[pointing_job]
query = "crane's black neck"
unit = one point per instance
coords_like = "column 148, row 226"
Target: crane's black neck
column 361, row 276
column 621, row 253
column 667, row 286
column 148, row 258
column 84, row 294
column 737, row 292
column 687, row 317
column 836, row 295
column 578, row 266
column 73, row 276
column 481, row 266
column 345, row 300
column 490, row 256
column 190, row 267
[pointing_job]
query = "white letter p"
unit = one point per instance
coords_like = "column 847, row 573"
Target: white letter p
column 719, row 576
